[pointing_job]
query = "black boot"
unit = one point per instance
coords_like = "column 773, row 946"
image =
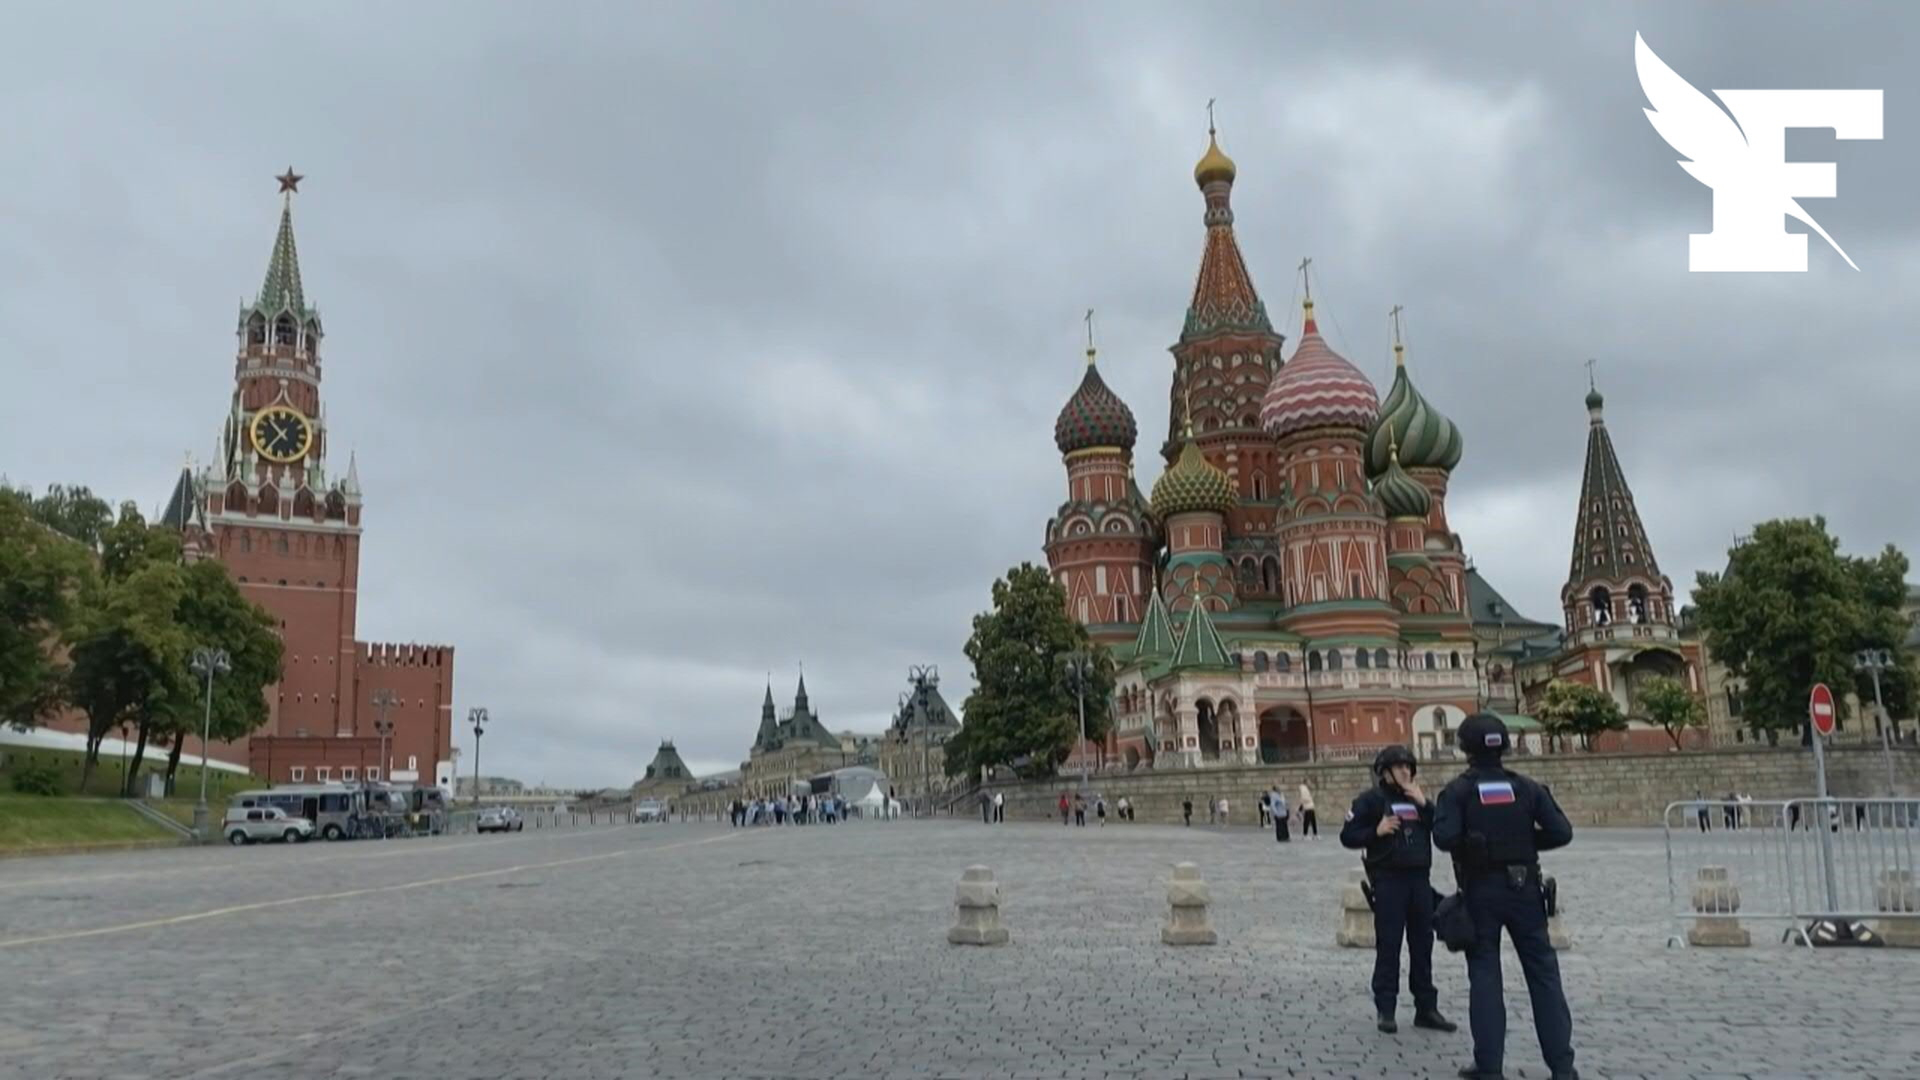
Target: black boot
column 1431, row 1019
column 1471, row 1073
column 1386, row 1023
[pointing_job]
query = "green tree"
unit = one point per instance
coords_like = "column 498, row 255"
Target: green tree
column 74, row 512
column 1578, row 710
column 1790, row 611
column 1667, row 702
column 212, row 613
column 1021, row 712
column 124, row 643
column 40, row 573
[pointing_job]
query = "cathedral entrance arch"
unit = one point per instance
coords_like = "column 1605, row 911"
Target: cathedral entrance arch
column 1284, row 736
column 1209, row 725
column 1433, row 731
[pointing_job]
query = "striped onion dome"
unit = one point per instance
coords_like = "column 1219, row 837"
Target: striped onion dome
column 1426, row 438
column 1193, row 484
column 1401, row 495
column 1317, row 387
column 1094, row 417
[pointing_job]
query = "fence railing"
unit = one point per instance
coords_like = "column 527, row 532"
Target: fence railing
column 466, row 821
column 1793, row 861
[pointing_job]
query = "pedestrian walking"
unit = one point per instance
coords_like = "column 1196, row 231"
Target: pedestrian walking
column 1277, row 806
column 1213, row 810
column 1186, row 811
column 1100, row 809
column 1223, row 811
column 1309, row 822
column 1495, row 822
column 1079, row 810
column 999, row 808
column 1063, row 808
column 1392, row 822
column 1262, row 804
column 1700, row 803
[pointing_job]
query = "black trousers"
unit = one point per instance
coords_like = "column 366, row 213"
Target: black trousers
column 1496, row 905
column 1403, row 908
column 1309, row 823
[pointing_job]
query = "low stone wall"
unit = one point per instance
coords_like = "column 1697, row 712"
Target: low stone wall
column 1594, row 789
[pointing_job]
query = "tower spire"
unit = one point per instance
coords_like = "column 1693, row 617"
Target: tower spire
column 282, row 291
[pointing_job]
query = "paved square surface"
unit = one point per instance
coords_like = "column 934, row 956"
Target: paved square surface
column 686, row 950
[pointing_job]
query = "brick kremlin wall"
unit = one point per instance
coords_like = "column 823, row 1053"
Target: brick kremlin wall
column 1594, row 789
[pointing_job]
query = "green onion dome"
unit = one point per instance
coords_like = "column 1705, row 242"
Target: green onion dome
column 1192, row 485
column 1426, row 438
column 1094, row 417
column 1401, row 495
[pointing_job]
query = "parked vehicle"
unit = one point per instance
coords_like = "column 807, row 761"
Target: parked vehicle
column 331, row 808
column 244, row 825
column 500, row 819
column 649, row 810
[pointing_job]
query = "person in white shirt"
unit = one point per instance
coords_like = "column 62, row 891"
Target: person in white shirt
column 1309, row 824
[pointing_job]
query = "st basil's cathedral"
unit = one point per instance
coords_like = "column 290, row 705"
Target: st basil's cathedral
column 1291, row 590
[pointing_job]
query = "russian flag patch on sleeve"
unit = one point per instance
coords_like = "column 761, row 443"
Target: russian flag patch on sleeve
column 1495, row 792
column 1406, row 811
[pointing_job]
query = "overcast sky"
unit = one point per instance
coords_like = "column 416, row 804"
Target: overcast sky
column 681, row 343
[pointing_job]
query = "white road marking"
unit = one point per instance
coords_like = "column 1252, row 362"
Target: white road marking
column 197, row 916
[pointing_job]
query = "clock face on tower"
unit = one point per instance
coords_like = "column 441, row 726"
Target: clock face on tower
column 281, row 433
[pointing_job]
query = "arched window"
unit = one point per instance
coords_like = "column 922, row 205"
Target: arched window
column 1380, row 659
column 1637, row 604
column 1333, row 660
column 283, row 331
column 1259, row 486
column 1313, row 660
column 1433, row 663
column 1362, row 659
column 257, row 331
column 1270, row 575
column 1282, row 661
column 1600, row 603
column 1453, row 661
column 1260, row 661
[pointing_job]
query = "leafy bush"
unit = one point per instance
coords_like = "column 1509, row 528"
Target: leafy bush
column 32, row 779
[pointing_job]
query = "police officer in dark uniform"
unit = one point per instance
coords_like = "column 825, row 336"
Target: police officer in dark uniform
column 1391, row 822
column 1495, row 823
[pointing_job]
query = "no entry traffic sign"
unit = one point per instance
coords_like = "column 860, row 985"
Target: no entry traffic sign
column 1820, row 709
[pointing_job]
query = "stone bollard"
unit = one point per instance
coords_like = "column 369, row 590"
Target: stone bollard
column 978, row 898
column 1716, row 899
column 1356, row 918
column 1896, row 892
column 1187, row 900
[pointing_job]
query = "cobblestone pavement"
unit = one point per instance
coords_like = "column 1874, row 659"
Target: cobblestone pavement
column 698, row 951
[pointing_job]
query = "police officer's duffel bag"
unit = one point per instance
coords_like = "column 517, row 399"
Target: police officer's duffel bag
column 1453, row 923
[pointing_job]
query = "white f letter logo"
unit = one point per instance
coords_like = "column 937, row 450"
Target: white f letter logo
column 1743, row 158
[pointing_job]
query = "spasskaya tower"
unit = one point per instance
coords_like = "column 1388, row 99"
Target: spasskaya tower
column 289, row 531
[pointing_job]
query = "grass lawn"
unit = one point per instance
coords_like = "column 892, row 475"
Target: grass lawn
column 32, row 821
column 106, row 775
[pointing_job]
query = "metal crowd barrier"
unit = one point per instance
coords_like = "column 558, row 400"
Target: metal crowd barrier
column 1794, row 861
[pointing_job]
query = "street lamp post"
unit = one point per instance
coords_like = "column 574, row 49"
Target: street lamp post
column 1873, row 662
column 382, row 723
column 478, row 718
column 1079, row 675
column 206, row 663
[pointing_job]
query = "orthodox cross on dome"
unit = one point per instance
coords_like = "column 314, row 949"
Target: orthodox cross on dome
column 1590, row 383
column 1306, row 286
column 1089, row 321
column 1399, row 349
column 1210, row 130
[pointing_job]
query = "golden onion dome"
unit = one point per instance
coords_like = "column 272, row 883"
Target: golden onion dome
column 1214, row 165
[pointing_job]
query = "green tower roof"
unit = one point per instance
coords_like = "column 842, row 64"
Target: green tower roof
column 1155, row 640
column 1201, row 646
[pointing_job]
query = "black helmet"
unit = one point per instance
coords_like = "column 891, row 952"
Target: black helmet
column 1391, row 756
column 1484, row 733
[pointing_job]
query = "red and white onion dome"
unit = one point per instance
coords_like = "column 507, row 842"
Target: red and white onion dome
column 1317, row 388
